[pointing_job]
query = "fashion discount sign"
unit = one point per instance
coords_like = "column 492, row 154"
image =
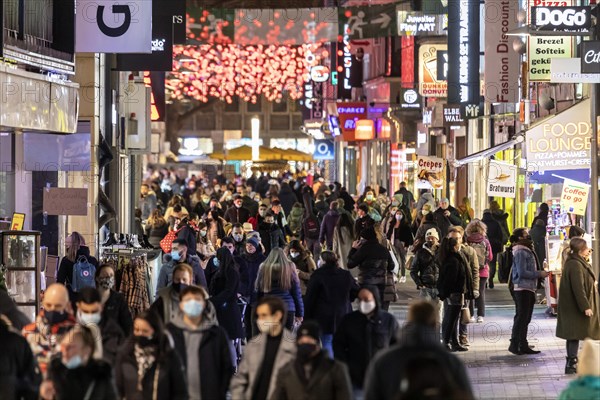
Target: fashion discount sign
column 113, row 26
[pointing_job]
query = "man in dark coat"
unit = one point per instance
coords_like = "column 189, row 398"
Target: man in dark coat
column 312, row 375
column 363, row 333
column 328, row 225
column 446, row 216
column 237, row 213
column 538, row 236
column 363, row 221
column 421, row 360
column 287, row 197
column 495, row 236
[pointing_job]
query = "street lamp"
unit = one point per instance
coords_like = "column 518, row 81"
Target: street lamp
column 255, row 122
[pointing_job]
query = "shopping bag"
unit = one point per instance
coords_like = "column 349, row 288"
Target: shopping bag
column 465, row 315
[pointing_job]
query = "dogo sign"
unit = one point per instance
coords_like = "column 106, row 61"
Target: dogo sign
column 109, row 26
column 566, row 19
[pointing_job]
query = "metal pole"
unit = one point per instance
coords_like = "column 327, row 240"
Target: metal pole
column 595, row 112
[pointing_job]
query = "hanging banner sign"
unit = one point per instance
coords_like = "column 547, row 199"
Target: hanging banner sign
column 415, row 23
column 113, row 26
column 502, row 67
column 561, row 142
column 502, row 180
column 368, row 22
column 324, row 150
column 429, row 83
column 430, row 172
column 410, row 99
column 574, row 197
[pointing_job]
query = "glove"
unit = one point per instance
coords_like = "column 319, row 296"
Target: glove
column 476, row 293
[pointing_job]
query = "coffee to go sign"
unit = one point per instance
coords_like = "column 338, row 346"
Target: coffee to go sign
column 562, row 19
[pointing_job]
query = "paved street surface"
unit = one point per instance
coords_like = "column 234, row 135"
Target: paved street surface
column 494, row 372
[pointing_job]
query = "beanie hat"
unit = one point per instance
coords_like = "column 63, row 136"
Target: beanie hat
column 432, row 232
column 254, row 242
column 309, row 328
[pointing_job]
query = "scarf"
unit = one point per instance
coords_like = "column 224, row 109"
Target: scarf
column 145, row 358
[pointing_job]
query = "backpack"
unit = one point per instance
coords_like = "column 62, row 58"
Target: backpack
column 311, row 228
column 505, row 260
column 481, row 251
column 84, row 274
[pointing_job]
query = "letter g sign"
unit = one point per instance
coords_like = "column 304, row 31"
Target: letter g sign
column 120, row 30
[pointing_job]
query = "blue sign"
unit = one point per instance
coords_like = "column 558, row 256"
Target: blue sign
column 324, row 150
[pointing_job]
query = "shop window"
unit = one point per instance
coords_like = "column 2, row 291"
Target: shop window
column 233, row 107
column 280, row 122
column 206, row 122
column 254, row 107
column 279, row 107
column 232, row 122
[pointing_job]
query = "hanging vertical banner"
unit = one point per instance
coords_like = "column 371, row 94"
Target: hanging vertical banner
column 502, row 180
column 463, row 52
column 501, row 60
column 368, row 22
column 111, row 26
column 574, row 197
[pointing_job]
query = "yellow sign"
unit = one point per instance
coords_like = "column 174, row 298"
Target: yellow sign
column 18, row 221
column 429, row 84
column 574, row 197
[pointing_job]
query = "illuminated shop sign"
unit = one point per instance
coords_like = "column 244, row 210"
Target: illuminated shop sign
column 563, row 19
column 414, row 23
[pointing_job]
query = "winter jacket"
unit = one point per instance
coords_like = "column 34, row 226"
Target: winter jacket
column 321, row 208
column 444, row 223
column 165, row 379
column 373, row 261
column 156, row 233
column 19, row 375
column 188, row 234
column 494, row 232
column 305, row 266
column 359, row 338
column 342, row 244
column 244, row 381
column 295, row 220
column 329, row 380
column 292, row 297
column 525, row 269
column 148, row 204
column 454, row 276
column 237, row 215
column 214, row 367
column 65, row 269
column 582, row 388
column 348, row 200
column 328, row 297
column 271, row 236
column 425, row 198
column 248, row 280
column 402, row 234
column 165, row 276
column 390, row 366
column 223, row 291
column 475, row 240
column 10, row 310
column 502, row 219
column 249, row 204
column 116, row 308
column 112, row 339
column 473, row 266
column 330, row 220
column 287, row 198
column 538, row 236
column 425, row 268
column 166, row 304
column 362, row 223
column 73, row 384
column 578, row 293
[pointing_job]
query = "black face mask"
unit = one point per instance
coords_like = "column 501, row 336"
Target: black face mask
column 55, row 317
column 178, row 287
column 144, row 341
column 305, row 352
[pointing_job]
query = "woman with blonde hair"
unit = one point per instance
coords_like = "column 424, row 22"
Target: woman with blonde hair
column 476, row 235
column 76, row 250
column 156, row 228
column 277, row 277
column 466, row 211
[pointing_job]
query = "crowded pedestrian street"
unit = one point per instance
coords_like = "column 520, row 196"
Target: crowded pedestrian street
column 299, row 200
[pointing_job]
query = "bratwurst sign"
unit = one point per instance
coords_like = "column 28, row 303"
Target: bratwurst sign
column 561, row 142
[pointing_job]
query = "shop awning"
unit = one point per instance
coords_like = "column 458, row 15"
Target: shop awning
column 293, row 155
column 491, row 151
column 244, row 153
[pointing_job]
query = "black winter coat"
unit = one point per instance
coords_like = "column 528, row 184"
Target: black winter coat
column 116, row 308
column 271, row 236
column 373, row 261
column 362, row 223
column 425, row 269
column 237, row 215
column 65, row 269
column 453, row 276
column 359, row 338
column 215, row 360
column 443, row 222
column 494, row 232
column 248, row 280
column 171, row 376
column 223, row 290
column 19, row 375
column 112, row 339
column 189, row 235
column 329, row 295
column 287, row 197
column 73, row 384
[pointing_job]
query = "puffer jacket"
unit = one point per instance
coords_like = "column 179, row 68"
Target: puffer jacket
column 295, row 219
column 525, row 273
column 373, row 261
column 425, row 269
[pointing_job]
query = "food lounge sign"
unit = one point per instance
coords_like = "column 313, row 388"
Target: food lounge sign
column 562, row 142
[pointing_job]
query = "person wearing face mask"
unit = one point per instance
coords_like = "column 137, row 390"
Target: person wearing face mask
column 427, row 223
column 270, row 233
column 260, row 216
column 204, row 245
column 147, row 367
column 371, row 201
column 264, row 355
column 76, row 249
column 54, row 320
column 425, row 268
column 526, row 272
column 237, row 213
column 75, row 374
column 166, row 304
column 107, row 333
column 400, row 236
column 312, row 375
column 253, row 258
column 214, row 205
column 305, row 265
column 362, row 334
column 239, row 238
column 579, row 305
column 363, row 220
column 180, row 255
column 329, row 295
column 114, row 305
column 202, row 346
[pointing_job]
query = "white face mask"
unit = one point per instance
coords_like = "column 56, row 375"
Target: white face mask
column 367, row 307
column 320, row 263
column 294, row 254
column 424, row 212
column 88, row 318
column 266, row 325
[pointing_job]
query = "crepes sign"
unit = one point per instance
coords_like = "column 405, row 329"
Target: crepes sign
column 502, row 180
column 430, row 172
